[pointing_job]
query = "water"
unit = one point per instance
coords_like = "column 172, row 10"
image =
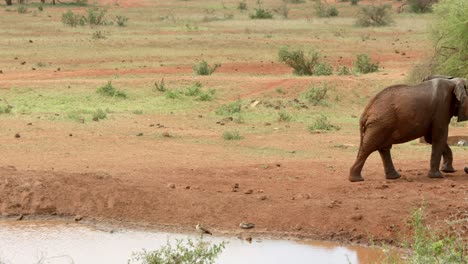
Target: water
column 52, row 242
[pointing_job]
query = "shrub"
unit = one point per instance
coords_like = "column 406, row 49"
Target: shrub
column 371, row 16
column 284, row 117
column 22, row 9
column 343, row 70
column 302, row 64
column 354, row 2
column 420, row 6
column 184, row 252
column 96, row 16
column 204, row 69
column 296, row 59
column 160, row 86
column 363, row 64
column 229, row 109
column 323, row 69
column 283, row 10
column 72, row 19
column 121, row 21
column 242, row 6
column 451, row 37
column 109, row 90
column 206, row 95
column 232, row 135
column 5, row 109
column 173, row 94
column 98, row 34
column 193, row 90
column 261, row 13
column 317, row 95
column 322, row 123
column 294, row 1
column 40, row 8
column 99, row 114
column 322, row 9
column 81, row 2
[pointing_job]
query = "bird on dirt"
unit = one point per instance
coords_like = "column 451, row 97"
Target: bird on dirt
column 200, row 229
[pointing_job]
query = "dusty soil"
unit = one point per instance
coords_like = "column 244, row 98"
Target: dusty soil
column 102, row 175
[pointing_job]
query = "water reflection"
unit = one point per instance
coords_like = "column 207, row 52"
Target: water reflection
column 29, row 242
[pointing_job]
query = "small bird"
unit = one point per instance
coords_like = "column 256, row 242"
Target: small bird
column 202, row 230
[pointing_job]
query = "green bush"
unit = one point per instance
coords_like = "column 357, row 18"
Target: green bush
column 229, row 109
column 109, row 90
column 322, row 123
column 232, row 135
column 261, row 13
column 98, row 34
column 242, row 6
column 322, row 9
column 193, row 90
column 284, row 117
column 450, row 34
column 420, row 6
column 203, row 68
column 354, row 2
column 323, row 69
column 206, row 95
column 96, row 16
column 121, row 21
column 71, row 19
column 22, row 9
column 184, row 252
column 317, row 95
column 5, row 109
column 363, row 64
column 371, row 16
column 343, row 70
column 40, row 8
column 173, row 94
column 302, row 64
column 99, row 114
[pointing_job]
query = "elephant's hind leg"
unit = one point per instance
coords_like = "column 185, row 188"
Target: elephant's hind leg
column 448, row 159
column 390, row 172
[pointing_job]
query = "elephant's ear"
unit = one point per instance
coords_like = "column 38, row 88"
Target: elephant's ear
column 460, row 94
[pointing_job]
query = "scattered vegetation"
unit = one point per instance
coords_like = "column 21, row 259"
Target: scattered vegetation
column 302, row 64
column 203, row 68
column 121, row 21
column 294, row 1
column 317, row 95
column 111, row 91
column 194, row 90
column 232, row 135
column 430, row 245
column 374, row 15
column 99, row 114
column 22, row 9
column 98, row 34
column 284, row 117
column 71, row 19
column 283, row 10
column 5, row 108
column 322, row 9
column 363, row 64
column 420, row 6
column 343, row 70
column 160, row 86
column 451, row 37
column 261, row 13
column 96, row 16
column 183, row 252
column 242, row 6
column 354, row 2
column 322, row 123
column 229, row 109
column 40, row 8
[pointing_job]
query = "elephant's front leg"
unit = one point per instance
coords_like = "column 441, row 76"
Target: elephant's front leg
column 448, row 159
column 438, row 147
column 390, row 172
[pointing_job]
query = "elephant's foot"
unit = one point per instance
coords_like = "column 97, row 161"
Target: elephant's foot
column 392, row 175
column 448, row 168
column 355, row 178
column 435, row 174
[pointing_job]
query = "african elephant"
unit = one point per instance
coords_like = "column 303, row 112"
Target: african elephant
column 401, row 113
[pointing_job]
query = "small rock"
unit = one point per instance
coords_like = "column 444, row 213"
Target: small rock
column 245, row 225
column 297, row 227
column 249, row 191
column 58, row 69
column 462, row 143
column 78, row 218
column 20, row 217
column 17, row 135
column 248, row 239
column 29, row 124
column 166, row 134
column 200, row 116
column 1, row 72
column 96, row 119
column 139, row 134
column 383, row 186
column 236, row 185
column 30, row 41
column 356, row 217
column 82, row 120
column 171, row 185
column 70, row 135
column 187, row 187
column 23, row 63
column 33, row 68
column 267, row 124
column 262, row 197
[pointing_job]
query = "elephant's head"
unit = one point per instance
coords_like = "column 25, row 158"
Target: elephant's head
column 460, row 94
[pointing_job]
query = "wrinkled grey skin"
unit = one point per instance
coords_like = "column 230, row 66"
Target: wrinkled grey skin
column 401, row 113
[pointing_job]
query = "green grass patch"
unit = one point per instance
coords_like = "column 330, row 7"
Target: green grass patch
column 230, row 108
column 232, row 135
column 109, row 90
column 322, row 123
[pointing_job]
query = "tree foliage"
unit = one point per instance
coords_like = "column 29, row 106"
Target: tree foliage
column 451, row 37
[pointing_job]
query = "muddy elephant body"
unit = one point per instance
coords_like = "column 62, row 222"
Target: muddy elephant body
column 402, row 113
